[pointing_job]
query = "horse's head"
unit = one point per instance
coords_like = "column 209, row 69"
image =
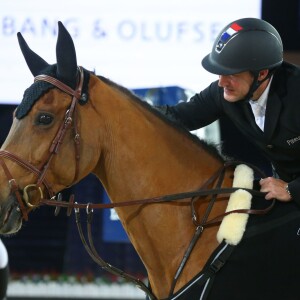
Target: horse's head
column 41, row 154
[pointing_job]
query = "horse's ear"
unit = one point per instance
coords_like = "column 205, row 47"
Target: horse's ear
column 34, row 62
column 66, row 57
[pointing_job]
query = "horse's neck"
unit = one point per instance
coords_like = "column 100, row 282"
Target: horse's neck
column 144, row 157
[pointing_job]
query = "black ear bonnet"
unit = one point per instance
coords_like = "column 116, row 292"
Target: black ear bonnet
column 65, row 70
column 39, row 88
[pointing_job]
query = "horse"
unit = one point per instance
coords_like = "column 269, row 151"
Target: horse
column 72, row 122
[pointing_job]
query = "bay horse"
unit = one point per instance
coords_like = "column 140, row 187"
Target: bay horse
column 71, row 123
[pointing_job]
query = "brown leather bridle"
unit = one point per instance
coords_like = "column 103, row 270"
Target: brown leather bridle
column 40, row 172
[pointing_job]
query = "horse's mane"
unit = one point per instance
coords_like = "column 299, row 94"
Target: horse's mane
column 210, row 148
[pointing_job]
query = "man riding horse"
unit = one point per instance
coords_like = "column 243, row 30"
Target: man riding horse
column 260, row 93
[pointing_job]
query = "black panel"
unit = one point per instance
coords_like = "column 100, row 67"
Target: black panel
column 284, row 16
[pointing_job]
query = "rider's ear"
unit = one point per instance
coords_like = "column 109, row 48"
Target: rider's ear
column 66, row 57
column 35, row 63
column 263, row 74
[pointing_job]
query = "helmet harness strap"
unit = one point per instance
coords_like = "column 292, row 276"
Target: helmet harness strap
column 256, row 83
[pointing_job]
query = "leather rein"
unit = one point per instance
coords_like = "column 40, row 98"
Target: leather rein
column 70, row 120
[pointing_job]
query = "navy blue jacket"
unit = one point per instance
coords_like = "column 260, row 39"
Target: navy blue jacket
column 280, row 140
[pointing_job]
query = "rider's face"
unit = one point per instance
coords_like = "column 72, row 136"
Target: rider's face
column 236, row 86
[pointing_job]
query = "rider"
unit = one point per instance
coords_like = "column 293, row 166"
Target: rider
column 260, row 93
column 3, row 271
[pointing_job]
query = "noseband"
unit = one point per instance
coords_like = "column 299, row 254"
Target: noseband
column 40, row 172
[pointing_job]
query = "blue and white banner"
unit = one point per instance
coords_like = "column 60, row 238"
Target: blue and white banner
column 138, row 44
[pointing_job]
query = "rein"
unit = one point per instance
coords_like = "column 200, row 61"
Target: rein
column 203, row 191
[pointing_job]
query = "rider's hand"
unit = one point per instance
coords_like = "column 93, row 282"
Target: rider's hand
column 275, row 188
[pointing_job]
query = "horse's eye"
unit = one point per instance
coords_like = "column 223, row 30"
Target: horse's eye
column 44, row 119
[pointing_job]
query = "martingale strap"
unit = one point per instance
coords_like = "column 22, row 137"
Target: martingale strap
column 199, row 230
column 90, row 248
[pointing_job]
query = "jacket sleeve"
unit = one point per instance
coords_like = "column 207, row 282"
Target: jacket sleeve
column 202, row 109
column 294, row 188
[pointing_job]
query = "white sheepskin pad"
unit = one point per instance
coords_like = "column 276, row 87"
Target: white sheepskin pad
column 233, row 225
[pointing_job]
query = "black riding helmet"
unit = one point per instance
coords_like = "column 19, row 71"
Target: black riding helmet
column 245, row 45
